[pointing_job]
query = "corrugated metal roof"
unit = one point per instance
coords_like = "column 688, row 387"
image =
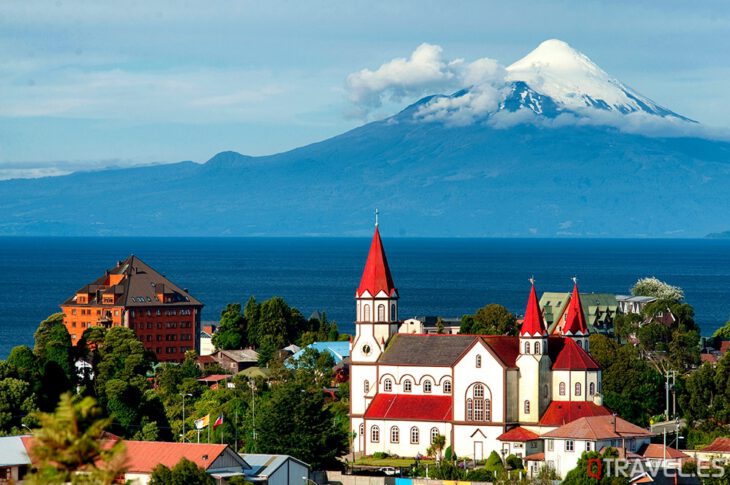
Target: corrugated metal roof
column 13, row 452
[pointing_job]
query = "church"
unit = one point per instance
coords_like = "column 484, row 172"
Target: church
column 481, row 392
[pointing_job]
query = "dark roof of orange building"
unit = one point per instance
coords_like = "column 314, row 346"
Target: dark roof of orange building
column 518, row 434
column 400, row 406
column 139, row 287
column 560, row 412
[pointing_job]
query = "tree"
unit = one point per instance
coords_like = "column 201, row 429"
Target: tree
column 185, row 472
column 658, row 289
column 722, row 333
column 54, row 352
column 588, row 468
column 295, row 421
column 437, row 447
column 232, row 332
column 492, row 319
column 70, row 446
column 494, row 464
column 439, row 325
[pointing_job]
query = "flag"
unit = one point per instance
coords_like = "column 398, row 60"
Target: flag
column 218, row 421
column 202, row 422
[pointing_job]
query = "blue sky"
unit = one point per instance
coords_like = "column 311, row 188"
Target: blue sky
column 88, row 84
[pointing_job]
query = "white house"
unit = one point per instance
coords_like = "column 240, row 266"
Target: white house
column 406, row 388
column 564, row 445
column 14, row 458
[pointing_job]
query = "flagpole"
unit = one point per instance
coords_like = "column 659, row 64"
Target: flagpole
column 198, row 435
column 209, row 432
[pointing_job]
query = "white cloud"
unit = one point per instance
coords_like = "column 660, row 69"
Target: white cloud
column 426, row 71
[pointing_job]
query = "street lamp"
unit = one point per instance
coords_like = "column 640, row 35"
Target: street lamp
column 252, row 385
column 307, row 480
column 27, row 427
column 183, row 398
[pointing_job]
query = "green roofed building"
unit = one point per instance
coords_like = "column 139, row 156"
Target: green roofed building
column 599, row 309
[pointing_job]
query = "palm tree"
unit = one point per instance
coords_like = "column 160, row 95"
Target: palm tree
column 437, row 446
column 70, row 445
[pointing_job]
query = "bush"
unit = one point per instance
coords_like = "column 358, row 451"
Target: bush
column 480, row 475
column 514, row 462
column 381, row 455
column 494, row 463
column 449, row 454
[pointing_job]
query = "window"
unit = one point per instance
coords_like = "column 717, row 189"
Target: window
column 487, row 410
column 580, row 344
column 427, row 386
column 374, row 434
column 388, row 385
column 392, row 313
column 381, row 313
column 434, row 434
column 527, row 347
column 394, row 434
column 366, row 313
column 414, row 435
column 588, row 446
column 479, row 410
column 479, row 361
column 470, row 410
column 479, row 391
column 569, row 445
column 577, row 389
column 366, row 386
column 73, row 311
column 362, row 429
column 550, row 445
column 591, row 389
column 407, row 385
column 561, row 388
column 545, row 391
column 527, row 407
column 537, row 347
column 447, row 386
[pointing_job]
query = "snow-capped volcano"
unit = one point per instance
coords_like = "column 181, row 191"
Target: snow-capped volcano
column 575, row 82
column 551, row 80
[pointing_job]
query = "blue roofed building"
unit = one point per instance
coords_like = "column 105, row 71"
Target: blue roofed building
column 276, row 469
column 339, row 350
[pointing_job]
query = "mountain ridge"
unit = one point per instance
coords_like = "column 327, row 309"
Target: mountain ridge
column 521, row 163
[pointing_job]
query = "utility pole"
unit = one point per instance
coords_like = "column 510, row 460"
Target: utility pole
column 183, row 398
column 666, row 399
column 674, row 393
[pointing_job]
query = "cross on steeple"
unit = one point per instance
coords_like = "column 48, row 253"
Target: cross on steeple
column 531, row 279
column 376, row 217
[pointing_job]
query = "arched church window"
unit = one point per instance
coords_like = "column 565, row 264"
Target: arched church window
column 577, row 389
column 374, row 434
column 381, row 313
column 527, row 347
column 591, row 389
column 392, row 313
column 366, row 386
column 477, row 407
column 434, row 434
column 561, row 388
column 394, row 434
column 479, row 361
column 447, row 386
column 362, row 429
column 407, row 385
column 427, row 385
column 545, row 391
column 537, row 347
column 479, row 391
column 527, row 407
column 469, row 409
column 366, row 313
column 388, row 385
column 580, row 344
column 414, row 436
column 487, row 410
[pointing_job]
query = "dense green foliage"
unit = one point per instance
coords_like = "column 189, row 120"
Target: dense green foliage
column 580, row 474
column 492, row 319
column 232, row 331
column 184, row 473
column 631, row 387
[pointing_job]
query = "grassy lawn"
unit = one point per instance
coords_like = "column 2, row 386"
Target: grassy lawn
column 394, row 462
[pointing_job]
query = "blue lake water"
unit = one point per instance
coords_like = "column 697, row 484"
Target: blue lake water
column 447, row 277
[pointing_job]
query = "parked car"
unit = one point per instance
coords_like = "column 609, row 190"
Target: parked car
column 390, row 471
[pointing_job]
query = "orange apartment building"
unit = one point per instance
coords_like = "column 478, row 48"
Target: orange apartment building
column 165, row 318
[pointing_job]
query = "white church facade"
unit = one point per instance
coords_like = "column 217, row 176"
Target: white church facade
column 481, row 392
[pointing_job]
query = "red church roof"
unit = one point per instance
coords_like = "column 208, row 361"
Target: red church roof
column 572, row 357
column 415, row 407
column 559, row 413
column 376, row 276
column 518, row 434
column 533, row 323
column 575, row 319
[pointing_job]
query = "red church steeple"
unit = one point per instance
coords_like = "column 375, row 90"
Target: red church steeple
column 575, row 319
column 533, row 324
column 376, row 276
